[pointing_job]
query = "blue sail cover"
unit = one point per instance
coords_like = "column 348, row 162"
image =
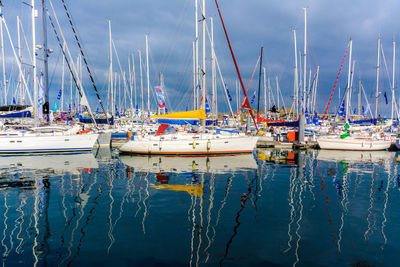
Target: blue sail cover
column 98, row 120
column 18, row 114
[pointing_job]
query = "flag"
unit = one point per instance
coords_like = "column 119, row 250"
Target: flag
column 386, row 100
column 14, row 102
column 307, row 116
column 69, row 109
column 116, row 112
column 208, row 110
column 341, row 111
column 253, row 98
column 363, row 111
column 97, row 110
column 55, row 108
column 137, row 110
column 160, row 97
column 40, row 98
column 229, row 95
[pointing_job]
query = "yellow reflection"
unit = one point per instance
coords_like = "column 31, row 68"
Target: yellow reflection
column 195, row 190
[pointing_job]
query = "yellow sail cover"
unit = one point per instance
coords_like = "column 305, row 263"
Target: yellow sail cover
column 192, row 114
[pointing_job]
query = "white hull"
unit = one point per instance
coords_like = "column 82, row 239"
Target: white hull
column 190, row 144
column 47, row 143
column 361, row 144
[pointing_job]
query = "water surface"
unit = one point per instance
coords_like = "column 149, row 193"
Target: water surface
column 272, row 208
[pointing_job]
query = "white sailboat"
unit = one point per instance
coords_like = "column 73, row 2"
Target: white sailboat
column 221, row 142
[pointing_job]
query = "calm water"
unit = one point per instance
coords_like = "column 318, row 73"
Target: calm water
column 312, row 208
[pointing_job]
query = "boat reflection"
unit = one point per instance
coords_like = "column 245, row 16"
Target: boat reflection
column 50, row 164
column 215, row 164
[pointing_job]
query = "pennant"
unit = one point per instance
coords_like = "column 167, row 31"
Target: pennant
column 227, row 92
column 55, row 108
column 116, row 112
column 208, row 110
column 253, row 98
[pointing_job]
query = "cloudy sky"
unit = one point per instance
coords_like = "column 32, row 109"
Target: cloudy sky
column 250, row 24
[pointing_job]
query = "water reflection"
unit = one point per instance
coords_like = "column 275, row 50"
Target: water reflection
column 273, row 207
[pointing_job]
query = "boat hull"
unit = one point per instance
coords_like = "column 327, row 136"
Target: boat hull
column 353, row 144
column 47, row 143
column 193, row 146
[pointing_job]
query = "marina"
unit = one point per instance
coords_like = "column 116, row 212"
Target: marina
column 132, row 134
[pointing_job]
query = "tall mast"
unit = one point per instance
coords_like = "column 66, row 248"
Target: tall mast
column 134, row 78
column 45, row 60
column 203, row 15
column 194, row 74
column 20, row 60
column 196, row 95
column 296, row 77
column 62, row 83
column 348, row 83
column 394, row 58
column 35, row 88
column 265, row 92
column 359, row 98
column 213, row 70
column 305, row 60
column 259, row 81
column 141, row 81
column 2, row 57
column 111, row 71
column 377, row 78
column 147, row 72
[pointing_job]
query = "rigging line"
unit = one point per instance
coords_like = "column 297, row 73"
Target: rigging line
column 166, row 57
column 333, row 90
column 66, row 58
column 84, row 59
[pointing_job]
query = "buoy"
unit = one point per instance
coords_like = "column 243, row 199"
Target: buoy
column 194, row 144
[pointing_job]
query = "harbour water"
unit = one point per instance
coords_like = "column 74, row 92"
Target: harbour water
column 271, row 208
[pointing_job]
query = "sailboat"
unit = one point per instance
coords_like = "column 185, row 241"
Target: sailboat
column 20, row 139
column 189, row 143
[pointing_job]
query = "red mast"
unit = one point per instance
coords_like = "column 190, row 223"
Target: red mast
column 246, row 100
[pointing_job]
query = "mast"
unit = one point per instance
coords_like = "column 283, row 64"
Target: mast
column 265, row 92
column 196, row 95
column 111, row 71
column 134, row 79
column 141, row 81
column 213, row 70
column 305, row 61
column 203, row 104
column 394, row 58
column 359, row 97
column 194, row 75
column 35, row 88
column 148, row 76
column 296, row 77
column 348, row 83
column 62, row 83
column 2, row 57
column 20, row 60
column 377, row 78
column 46, row 105
column 259, row 82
